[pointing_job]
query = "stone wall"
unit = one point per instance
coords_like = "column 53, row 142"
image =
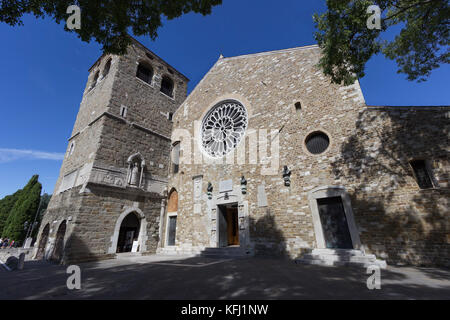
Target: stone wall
column 270, row 85
column 93, row 194
column 97, row 218
column 398, row 221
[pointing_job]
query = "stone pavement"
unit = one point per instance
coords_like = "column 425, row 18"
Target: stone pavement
column 163, row 277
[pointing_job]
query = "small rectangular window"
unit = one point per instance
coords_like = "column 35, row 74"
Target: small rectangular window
column 422, row 174
column 123, row 111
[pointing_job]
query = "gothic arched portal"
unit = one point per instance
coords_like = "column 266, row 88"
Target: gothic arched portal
column 58, row 252
column 129, row 233
column 171, row 223
column 43, row 242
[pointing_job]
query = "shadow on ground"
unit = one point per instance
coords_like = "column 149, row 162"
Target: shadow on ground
column 157, row 278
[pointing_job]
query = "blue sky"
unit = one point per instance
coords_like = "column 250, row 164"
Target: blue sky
column 45, row 70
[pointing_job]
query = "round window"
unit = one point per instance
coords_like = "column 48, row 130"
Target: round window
column 223, row 128
column 317, row 142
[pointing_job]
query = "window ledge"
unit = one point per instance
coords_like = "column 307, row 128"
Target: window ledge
column 146, row 83
column 171, row 98
column 433, row 189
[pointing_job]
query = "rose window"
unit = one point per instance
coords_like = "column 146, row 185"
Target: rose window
column 223, row 128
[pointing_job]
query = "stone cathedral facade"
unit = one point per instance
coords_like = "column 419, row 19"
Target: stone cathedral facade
column 264, row 157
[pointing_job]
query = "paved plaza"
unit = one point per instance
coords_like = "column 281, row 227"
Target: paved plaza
column 167, row 278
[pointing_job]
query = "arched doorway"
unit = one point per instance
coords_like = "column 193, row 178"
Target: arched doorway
column 129, row 233
column 59, row 243
column 43, row 242
column 172, row 206
column 172, row 214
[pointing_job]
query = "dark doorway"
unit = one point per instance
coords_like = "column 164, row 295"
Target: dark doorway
column 334, row 223
column 129, row 232
column 171, row 237
column 59, row 243
column 43, row 243
column 228, row 226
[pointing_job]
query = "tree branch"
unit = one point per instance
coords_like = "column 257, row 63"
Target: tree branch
column 407, row 8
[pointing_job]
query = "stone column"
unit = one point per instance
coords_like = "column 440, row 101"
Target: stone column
column 161, row 223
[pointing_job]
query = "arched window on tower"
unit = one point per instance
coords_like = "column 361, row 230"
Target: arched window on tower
column 167, row 86
column 71, row 149
column 145, row 73
column 95, row 80
column 107, row 67
column 176, row 157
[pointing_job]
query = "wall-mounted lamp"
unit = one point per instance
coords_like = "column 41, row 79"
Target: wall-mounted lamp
column 210, row 190
column 243, row 185
column 287, row 176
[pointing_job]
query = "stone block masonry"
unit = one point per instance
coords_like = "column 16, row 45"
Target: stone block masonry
column 346, row 178
column 116, row 163
column 367, row 164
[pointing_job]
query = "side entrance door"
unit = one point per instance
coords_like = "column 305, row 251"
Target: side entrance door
column 172, row 230
column 233, row 226
column 334, row 223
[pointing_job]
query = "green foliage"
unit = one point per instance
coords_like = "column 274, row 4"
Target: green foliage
column 45, row 200
column 6, row 205
column 420, row 47
column 24, row 209
column 107, row 21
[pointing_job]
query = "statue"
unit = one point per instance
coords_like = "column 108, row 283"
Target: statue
column 135, row 174
column 136, row 166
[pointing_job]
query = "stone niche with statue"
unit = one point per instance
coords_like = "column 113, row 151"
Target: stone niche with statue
column 134, row 177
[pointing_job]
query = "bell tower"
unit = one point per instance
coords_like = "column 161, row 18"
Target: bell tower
column 117, row 160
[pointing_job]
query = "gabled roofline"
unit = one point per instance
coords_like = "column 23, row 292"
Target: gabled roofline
column 265, row 53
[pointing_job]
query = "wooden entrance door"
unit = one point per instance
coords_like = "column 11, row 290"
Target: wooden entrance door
column 233, row 226
column 334, row 223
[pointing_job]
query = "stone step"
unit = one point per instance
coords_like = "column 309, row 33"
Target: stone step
column 326, row 263
column 178, row 251
column 338, row 252
column 228, row 252
column 228, row 249
column 340, row 257
column 128, row 255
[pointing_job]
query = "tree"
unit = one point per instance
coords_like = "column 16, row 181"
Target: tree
column 6, row 205
column 24, row 210
column 107, row 21
column 347, row 42
column 45, row 200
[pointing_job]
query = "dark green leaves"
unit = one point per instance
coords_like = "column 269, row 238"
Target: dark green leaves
column 348, row 44
column 107, row 21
